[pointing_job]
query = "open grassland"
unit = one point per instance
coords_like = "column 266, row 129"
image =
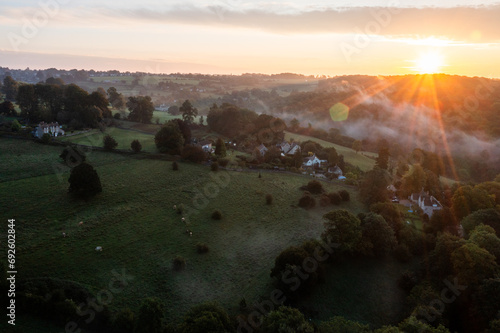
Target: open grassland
column 360, row 159
column 133, row 220
column 122, row 136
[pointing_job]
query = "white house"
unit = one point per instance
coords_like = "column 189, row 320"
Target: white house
column 426, row 202
column 262, row 149
column 294, row 147
column 288, row 148
column 313, row 161
column 48, row 128
column 335, row 170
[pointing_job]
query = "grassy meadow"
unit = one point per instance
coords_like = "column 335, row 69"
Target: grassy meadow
column 134, row 221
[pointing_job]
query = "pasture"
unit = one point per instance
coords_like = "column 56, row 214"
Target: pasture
column 134, row 222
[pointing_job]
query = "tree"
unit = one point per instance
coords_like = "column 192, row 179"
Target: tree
column 169, row 139
column 141, row 109
column 307, row 201
column 439, row 260
column 414, row 181
column 188, row 112
column 473, row 264
column 184, row 128
column 489, row 217
column 9, row 88
column 484, row 236
column 340, row 324
column 28, row 102
column 294, row 124
column 342, row 228
column 286, row 319
column 383, row 158
column 314, row 186
column 444, row 220
column 220, row 148
column 467, row 200
column 109, row 142
column 124, row 321
column 150, row 317
column 378, row 236
column 116, row 99
column 7, row 108
column 136, row 146
column 84, row 181
column 373, row 187
column 344, row 195
column 356, row 146
column 207, row 317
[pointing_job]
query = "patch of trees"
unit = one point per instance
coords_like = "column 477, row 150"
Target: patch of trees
column 67, row 104
column 141, row 109
column 169, row 139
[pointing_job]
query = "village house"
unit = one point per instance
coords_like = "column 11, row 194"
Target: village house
column 288, row 148
column 48, row 128
column 313, row 161
column 335, row 170
column 262, row 149
column 206, row 145
column 426, row 202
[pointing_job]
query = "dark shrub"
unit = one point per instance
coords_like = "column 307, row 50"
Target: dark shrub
column 136, row 146
column 223, row 162
column 109, row 142
column 407, row 281
column 214, row 166
column 314, row 187
column 269, row 199
column 344, row 195
column 179, row 263
column 117, row 116
column 84, row 181
column 217, row 215
column 201, row 248
column 46, row 138
column 307, row 202
column 194, row 154
column 335, row 198
column 324, row 200
column 175, row 166
column 402, row 253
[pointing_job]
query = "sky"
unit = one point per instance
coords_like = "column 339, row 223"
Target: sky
column 317, row 37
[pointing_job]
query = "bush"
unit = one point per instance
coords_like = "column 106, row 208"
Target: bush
column 179, row 263
column 307, row 202
column 402, row 253
column 16, row 126
column 201, row 248
column 335, row 198
column 84, row 180
column 223, row 162
column 217, row 215
column 314, row 187
column 324, row 200
column 117, row 116
column 46, row 138
column 269, row 199
column 109, row 142
column 175, row 166
column 344, row 195
column 214, row 166
column 136, row 146
column 194, row 154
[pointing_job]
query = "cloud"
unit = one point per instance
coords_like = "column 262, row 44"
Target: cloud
column 468, row 24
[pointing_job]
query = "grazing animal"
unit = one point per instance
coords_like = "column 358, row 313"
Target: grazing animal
column 190, row 233
column 175, row 207
column 64, row 234
column 80, row 223
column 98, row 248
column 183, row 220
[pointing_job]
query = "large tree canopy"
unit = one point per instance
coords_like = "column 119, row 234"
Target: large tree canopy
column 169, row 139
column 141, row 109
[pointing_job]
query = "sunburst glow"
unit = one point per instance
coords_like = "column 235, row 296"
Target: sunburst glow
column 429, row 63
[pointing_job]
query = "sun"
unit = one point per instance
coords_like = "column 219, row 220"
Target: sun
column 429, row 63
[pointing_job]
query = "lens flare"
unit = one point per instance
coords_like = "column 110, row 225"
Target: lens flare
column 339, row 112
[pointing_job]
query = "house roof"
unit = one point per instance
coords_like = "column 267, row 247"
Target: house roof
column 205, row 142
column 261, row 147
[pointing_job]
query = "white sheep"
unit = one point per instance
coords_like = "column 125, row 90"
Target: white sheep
column 80, row 223
column 175, row 207
column 183, row 220
column 98, row 248
column 64, row 234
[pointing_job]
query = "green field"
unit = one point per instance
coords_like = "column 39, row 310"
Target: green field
column 360, row 159
column 122, row 136
column 133, row 220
